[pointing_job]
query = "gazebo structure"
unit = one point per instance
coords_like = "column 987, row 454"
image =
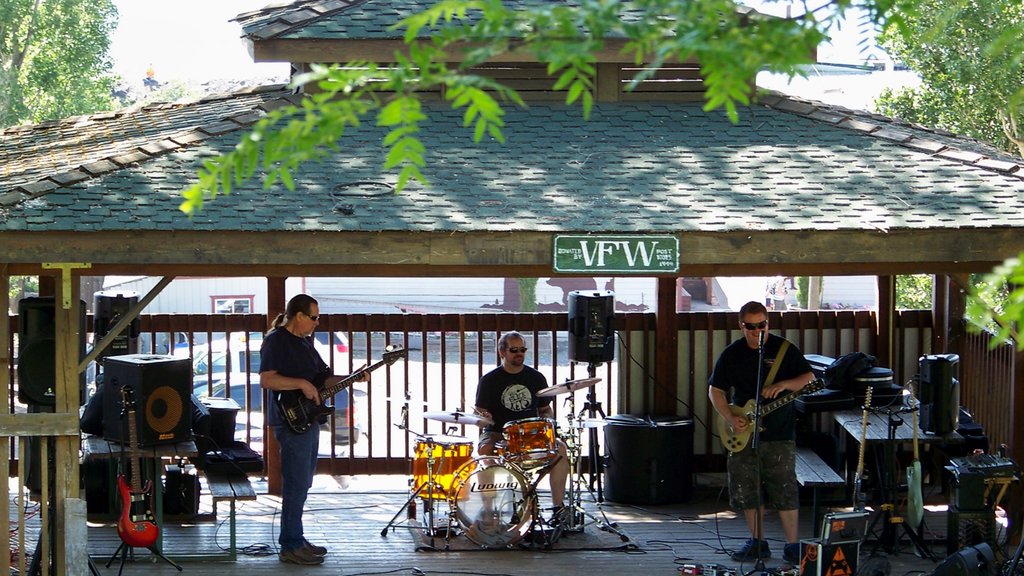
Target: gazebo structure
column 793, row 188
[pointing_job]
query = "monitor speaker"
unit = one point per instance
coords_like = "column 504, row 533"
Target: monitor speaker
column 939, row 393
column 978, row 560
column 108, row 309
column 37, row 351
column 591, row 326
column 162, row 389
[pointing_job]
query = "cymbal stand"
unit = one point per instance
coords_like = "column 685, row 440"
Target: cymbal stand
column 592, row 407
column 577, row 523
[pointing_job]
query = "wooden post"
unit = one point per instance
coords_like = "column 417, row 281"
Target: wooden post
column 666, row 344
column 5, row 386
column 886, row 343
column 276, row 303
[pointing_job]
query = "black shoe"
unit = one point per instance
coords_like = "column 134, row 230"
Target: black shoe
column 791, row 554
column 750, row 550
column 559, row 516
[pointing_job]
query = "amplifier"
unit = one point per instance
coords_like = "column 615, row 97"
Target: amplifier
column 987, row 465
column 843, row 527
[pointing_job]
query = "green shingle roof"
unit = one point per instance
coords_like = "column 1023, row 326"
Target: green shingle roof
column 657, row 167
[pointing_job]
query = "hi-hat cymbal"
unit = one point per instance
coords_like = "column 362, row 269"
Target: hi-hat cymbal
column 568, row 386
column 457, row 417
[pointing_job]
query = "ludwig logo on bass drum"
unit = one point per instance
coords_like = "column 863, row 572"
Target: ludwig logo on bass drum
column 493, row 486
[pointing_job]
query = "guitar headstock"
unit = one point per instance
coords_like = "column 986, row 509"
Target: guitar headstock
column 127, row 398
column 814, row 386
column 392, row 353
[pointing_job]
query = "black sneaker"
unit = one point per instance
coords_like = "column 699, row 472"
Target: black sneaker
column 749, row 551
column 791, row 554
column 559, row 516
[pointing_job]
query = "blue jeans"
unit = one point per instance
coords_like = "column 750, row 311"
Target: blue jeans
column 298, row 465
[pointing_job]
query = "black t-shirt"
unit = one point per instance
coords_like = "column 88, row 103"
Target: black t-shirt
column 736, row 372
column 511, row 397
column 292, row 356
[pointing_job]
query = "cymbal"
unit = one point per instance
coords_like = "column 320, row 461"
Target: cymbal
column 568, row 386
column 457, row 417
column 446, row 439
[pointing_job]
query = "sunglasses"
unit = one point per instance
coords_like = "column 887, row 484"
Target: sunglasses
column 759, row 326
column 518, row 350
column 313, row 318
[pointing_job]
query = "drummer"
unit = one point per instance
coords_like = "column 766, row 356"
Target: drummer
column 508, row 393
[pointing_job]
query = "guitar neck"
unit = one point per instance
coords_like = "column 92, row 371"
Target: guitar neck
column 330, row 390
column 134, row 463
column 780, row 402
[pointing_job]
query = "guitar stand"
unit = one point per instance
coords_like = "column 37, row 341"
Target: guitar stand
column 124, row 550
column 888, row 485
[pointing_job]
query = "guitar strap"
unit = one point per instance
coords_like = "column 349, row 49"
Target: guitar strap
column 776, row 363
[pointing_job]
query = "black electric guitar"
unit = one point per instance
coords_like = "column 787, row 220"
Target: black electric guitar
column 736, row 440
column 300, row 413
column 135, row 526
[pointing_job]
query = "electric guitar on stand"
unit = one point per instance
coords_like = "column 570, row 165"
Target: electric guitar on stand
column 135, row 526
column 915, row 503
column 300, row 413
column 736, row 440
column 859, row 501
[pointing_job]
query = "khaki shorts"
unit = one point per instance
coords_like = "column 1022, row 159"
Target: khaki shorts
column 778, row 477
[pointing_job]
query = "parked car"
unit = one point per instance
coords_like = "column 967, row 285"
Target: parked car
column 214, row 371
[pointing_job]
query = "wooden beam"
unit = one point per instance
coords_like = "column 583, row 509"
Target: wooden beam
column 276, row 301
column 885, row 350
column 40, row 424
column 793, row 253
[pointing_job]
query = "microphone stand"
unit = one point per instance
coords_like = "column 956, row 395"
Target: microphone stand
column 755, row 445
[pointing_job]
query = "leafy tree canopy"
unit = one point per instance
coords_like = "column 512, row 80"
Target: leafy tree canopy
column 968, row 55
column 53, row 58
column 731, row 45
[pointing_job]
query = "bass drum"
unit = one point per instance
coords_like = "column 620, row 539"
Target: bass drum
column 493, row 502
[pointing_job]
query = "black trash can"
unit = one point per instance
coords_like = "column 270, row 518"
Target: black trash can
column 648, row 460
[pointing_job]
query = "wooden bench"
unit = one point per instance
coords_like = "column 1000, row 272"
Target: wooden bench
column 229, row 488
column 812, row 472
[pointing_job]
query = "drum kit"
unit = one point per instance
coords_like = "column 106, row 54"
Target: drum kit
column 492, row 500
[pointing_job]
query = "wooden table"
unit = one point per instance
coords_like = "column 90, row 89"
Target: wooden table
column 887, row 430
column 97, row 448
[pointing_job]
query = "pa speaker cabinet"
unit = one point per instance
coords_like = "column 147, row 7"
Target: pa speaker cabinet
column 591, row 329
column 817, row 559
column 939, row 393
column 162, row 389
column 108, row 309
column 37, row 351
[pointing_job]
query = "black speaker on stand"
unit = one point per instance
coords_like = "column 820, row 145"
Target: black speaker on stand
column 163, row 388
column 108, row 309
column 592, row 340
column 591, row 326
column 939, row 393
column 37, row 351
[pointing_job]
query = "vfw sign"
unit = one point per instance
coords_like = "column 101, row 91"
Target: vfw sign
column 623, row 254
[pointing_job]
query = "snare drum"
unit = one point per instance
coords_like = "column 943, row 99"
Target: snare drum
column 530, row 442
column 493, row 502
column 449, row 452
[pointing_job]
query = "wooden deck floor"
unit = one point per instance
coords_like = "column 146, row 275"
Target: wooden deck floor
column 349, row 521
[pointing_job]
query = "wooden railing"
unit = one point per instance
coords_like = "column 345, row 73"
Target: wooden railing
column 448, row 353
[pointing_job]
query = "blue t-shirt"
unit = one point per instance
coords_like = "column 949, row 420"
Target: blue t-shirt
column 291, row 356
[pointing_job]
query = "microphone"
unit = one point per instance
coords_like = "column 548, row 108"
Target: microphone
column 760, row 341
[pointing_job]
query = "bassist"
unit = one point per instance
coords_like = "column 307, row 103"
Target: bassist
column 288, row 363
column 766, row 477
